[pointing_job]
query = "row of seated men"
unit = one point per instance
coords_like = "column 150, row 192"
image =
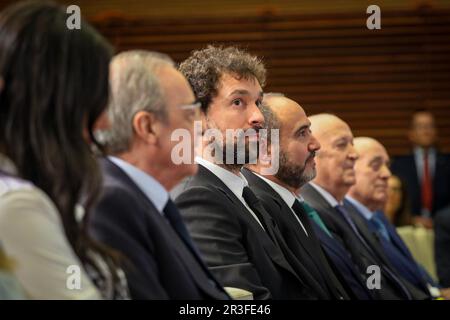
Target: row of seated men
column 296, row 218
column 313, row 228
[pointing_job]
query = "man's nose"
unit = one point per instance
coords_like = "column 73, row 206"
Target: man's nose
column 352, row 153
column 256, row 117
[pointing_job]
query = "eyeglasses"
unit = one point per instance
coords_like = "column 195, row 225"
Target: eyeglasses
column 192, row 111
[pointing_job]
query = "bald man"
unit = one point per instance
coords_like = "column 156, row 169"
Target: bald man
column 279, row 193
column 366, row 200
column 335, row 175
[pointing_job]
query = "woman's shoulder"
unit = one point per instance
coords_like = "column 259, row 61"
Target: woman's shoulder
column 19, row 196
column 9, row 183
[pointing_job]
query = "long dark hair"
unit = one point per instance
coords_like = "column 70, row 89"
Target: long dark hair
column 55, row 87
column 403, row 216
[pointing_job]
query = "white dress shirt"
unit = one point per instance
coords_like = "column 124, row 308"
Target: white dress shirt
column 418, row 157
column 151, row 187
column 362, row 209
column 287, row 196
column 332, row 201
column 235, row 183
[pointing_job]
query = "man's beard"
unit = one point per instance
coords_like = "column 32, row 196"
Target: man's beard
column 242, row 151
column 292, row 174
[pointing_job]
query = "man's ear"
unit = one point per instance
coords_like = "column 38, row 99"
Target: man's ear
column 146, row 126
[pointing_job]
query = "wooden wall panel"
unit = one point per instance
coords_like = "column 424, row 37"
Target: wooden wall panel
column 321, row 55
column 327, row 62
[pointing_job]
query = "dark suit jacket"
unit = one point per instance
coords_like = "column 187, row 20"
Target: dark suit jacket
column 442, row 246
column 342, row 261
column 398, row 243
column 396, row 252
column 160, row 266
column 386, row 256
column 405, row 168
column 308, row 248
column 237, row 250
column 362, row 257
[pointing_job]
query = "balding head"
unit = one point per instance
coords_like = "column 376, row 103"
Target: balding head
column 280, row 108
column 372, row 173
column 326, row 124
column 336, row 158
column 363, row 144
column 297, row 146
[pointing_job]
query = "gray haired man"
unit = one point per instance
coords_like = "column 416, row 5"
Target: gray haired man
column 135, row 215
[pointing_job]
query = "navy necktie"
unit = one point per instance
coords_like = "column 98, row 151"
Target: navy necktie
column 381, row 228
column 172, row 214
column 346, row 215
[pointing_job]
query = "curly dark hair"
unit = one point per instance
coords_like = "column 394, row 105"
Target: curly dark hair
column 204, row 68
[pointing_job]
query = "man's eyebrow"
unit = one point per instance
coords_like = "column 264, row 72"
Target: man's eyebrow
column 340, row 139
column 244, row 92
column 302, row 127
column 239, row 91
column 376, row 159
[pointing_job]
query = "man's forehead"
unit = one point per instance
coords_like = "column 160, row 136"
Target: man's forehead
column 285, row 107
column 422, row 118
column 300, row 119
column 328, row 124
column 373, row 152
column 337, row 133
column 234, row 84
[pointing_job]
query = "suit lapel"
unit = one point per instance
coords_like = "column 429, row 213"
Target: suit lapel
column 367, row 234
column 301, row 236
column 318, row 265
column 272, row 250
column 184, row 253
column 200, row 276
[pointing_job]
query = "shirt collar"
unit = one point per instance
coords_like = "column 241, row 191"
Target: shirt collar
column 324, row 193
column 284, row 193
column 154, row 191
column 362, row 209
column 235, row 183
column 419, row 151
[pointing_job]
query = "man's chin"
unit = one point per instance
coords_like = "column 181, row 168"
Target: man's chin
column 381, row 197
column 349, row 180
column 309, row 175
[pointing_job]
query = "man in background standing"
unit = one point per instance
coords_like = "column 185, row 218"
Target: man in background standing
column 425, row 172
